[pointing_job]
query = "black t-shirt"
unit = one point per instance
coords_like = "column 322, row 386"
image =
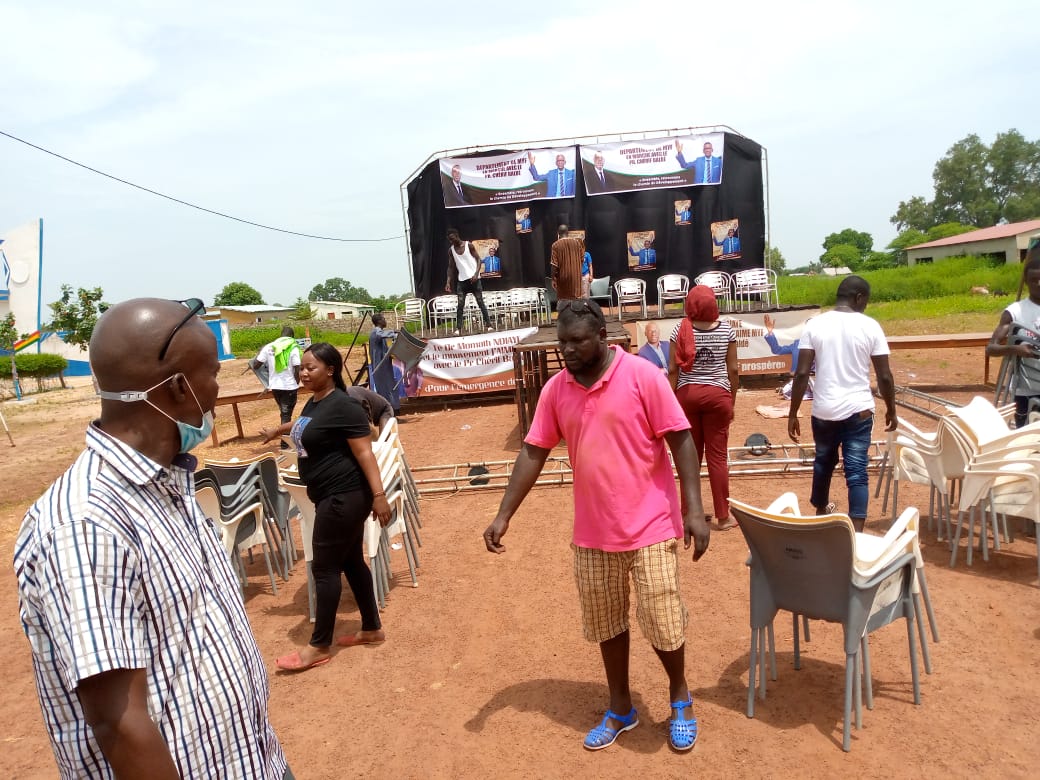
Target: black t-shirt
column 327, row 464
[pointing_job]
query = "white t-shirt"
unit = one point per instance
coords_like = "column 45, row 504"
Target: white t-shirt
column 465, row 262
column 280, row 380
column 844, row 343
column 1027, row 378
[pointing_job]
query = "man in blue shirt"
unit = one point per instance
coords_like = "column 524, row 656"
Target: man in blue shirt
column 706, row 169
column 559, row 181
column 730, row 244
column 646, row 255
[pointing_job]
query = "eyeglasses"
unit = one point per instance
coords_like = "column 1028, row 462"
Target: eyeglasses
column 194, row 306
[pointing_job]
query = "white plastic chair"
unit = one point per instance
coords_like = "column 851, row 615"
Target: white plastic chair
column 760, row 282
column 410, row 310
column 630, row 291
column 671, row 287
column 721, row 282
column 441, row 310
column 305, row 514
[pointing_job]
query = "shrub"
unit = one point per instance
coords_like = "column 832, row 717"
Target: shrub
column 34, row 365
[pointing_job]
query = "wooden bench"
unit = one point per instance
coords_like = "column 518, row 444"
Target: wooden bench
column 943, row 341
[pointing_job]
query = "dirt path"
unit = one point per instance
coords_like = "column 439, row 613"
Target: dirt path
column 486, row 674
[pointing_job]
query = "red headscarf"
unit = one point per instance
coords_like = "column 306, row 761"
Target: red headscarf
column 700, row 306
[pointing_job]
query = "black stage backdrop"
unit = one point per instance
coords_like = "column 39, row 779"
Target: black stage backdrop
column 606, row 219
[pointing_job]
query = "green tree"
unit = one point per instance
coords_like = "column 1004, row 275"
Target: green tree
column 842, row 255
column 76, row 314
column 962, row 188
column 1014, row 164
column 337, row 289
column 864, row 242
column 775, row 260
column 8, row 332
column 909, row 237
column 302, row 310
column 945, row 230
column 873, row 261
column 238, row 294
column 915, row 213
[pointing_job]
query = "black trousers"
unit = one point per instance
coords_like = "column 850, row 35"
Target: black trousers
column 339, row 530
column 286, row 400
column 469, row 286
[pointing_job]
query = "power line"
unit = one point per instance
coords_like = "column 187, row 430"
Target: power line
column 193, row 205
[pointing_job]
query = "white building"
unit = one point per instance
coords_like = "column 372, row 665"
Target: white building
column 1008, row 241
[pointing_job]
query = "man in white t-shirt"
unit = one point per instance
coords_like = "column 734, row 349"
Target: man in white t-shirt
column 282, row 359
column 844, row 342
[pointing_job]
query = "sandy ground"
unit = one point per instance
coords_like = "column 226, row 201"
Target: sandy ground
column 485, row 672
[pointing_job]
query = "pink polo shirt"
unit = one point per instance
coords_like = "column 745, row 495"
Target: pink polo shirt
column 624, row 490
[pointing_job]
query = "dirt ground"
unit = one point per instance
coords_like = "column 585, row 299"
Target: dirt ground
column 485, row 672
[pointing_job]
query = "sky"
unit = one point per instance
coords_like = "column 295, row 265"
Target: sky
column 310, row 116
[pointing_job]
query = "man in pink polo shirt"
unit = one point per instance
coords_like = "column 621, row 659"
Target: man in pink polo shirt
column 616, row 412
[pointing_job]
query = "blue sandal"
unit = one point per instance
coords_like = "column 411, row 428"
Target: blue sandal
column 683, row 733
column 602, row 736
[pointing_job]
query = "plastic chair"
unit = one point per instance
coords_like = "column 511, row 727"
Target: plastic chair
column 721, row 282
column 671, row 287
column 629, row 291
column 808, row 566
column 441, row 310
column 760, row 282
column 410, row 310
column 599, row 291
column 298, row 491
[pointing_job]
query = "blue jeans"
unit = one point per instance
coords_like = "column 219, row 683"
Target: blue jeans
column 853, row 436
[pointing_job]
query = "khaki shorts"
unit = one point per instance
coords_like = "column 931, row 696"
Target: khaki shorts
column 603, row 587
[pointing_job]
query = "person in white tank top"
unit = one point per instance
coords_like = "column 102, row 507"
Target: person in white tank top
column 464, row 277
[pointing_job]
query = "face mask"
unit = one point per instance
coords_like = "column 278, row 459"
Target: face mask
column 191, row 436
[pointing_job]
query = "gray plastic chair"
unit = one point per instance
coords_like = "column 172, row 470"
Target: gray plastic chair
column 807, row 568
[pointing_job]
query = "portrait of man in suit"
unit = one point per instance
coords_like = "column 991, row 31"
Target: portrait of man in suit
column 523, row 220
column 596, row 177
column 647, row 254
column 455, row 192
column 559, row 181
column 706, row 169
column 682, row 212
column 655, row 350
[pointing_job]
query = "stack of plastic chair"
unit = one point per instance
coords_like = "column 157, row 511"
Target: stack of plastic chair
column 305, row 512
column 263, row 471
column 760, row 282
column 441, row 311
column 390, row 435
column 209, row 503
column 410, row 310
column 808, row 566
column 1002, row 468
column 722, row 283
column 234, row 499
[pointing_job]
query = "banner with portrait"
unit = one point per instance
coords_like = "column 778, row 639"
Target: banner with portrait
column 534, row 174
column 767, row 343
column 653, row 163
column 482, row 363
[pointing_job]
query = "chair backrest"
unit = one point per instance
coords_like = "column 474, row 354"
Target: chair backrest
column 408, row 349
column 674, row 284
column 719, row 281
column 629, row 288
column 443, row 304
column 807, row 565
column 752, row 277
column 600, row 288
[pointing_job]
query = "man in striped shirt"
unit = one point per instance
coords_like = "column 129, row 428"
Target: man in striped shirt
column 145, row 663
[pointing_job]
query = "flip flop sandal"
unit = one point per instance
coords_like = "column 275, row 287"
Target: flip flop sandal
column 294, row 663
column 352, row 640
column 682, row 733
column 603, row 736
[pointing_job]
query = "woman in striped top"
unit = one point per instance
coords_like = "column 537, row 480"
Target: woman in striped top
column 702, row 368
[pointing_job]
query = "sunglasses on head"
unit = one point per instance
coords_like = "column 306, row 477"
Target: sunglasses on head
column 195, row 306
column 578, row 306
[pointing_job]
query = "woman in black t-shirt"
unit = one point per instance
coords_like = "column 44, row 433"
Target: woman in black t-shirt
column 334, row 452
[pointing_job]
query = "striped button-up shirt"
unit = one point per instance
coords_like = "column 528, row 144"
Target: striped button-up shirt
column 118, row 568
